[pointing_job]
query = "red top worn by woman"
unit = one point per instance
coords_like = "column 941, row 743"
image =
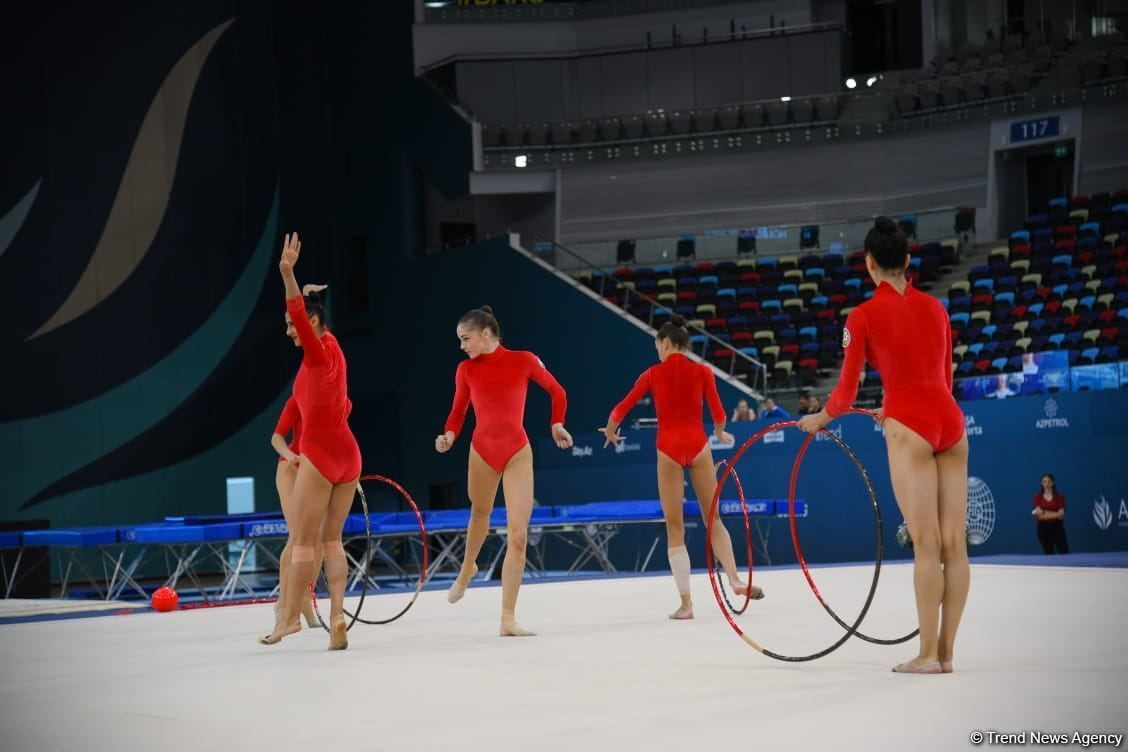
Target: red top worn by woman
column 1055, row 504
column 321, row 393
column 290, row 420
column 908, row 339
column 679, row 386
column 495, row 384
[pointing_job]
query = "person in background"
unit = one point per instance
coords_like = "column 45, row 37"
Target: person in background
column 772, row 411
column 742, row 412
column 804, row 403
column 1002, row 389
column 815, row 405
column 1049, row 510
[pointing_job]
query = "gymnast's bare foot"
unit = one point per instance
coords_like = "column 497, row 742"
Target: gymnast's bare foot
column 738, row 587
column 338, row 633
column 310, row 618
column 685, row 611
column 919, row 665
column 458, row 589
column 276, row 636
column 510, row 628
column 945, row 661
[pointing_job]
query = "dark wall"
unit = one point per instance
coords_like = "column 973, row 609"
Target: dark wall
column 435, row 42
column 145, row 187
column 797, row 185
column 593, row 86
column 1103, row 149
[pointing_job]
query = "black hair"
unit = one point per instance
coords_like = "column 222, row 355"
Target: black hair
column 675, row 331
column 887, row 243
column 1052, row 480
column 481, row 318
column 315, row 306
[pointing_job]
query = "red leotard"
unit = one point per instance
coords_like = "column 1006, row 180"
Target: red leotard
column 679, row 386
column 290, row 420
column 908, row 339
column 321, row 391
column 496, row 384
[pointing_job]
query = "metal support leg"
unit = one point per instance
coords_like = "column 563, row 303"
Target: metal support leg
column 10, row 582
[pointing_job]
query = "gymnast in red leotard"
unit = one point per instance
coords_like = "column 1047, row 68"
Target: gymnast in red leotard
column 329, row 464
column 495, row 381
column 680, row 386
column 906, row 335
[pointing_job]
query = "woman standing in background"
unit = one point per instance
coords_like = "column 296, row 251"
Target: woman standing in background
column 1049, row 510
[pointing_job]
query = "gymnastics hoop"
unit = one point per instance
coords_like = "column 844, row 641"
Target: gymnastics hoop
column 850, row 630
column 355, row 617
column 747, row 539
column 799, row 549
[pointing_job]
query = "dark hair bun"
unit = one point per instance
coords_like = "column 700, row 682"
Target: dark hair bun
column 481, row 318
column 885, row 225
column 314, row 296
column 887, row 244
column 677, row 320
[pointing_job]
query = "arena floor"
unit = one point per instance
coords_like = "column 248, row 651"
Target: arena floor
column 1041, row 649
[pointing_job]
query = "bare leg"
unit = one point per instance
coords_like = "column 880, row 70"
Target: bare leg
column 912, row 469
column 952, row 467
column 312, row 493
column 284, row 480
column 702, row 474
column 671, row 492
column 336, row 565
column 481, row 484
column 517, row 485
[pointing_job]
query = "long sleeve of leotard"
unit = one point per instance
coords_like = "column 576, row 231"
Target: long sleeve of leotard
column 641, row 387
column 854, row 343
column 547, row 382
column 288, row 418
column 713, row 398
column 311, row 343
column 457, row 415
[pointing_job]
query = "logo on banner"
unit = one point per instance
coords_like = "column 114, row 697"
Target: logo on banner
column 980, row 511
column 970, row 427
column 1051, row 420
column 837, row 431
column 623, row 446
column 581, row 451
column 775, row 437
column 1102, row 513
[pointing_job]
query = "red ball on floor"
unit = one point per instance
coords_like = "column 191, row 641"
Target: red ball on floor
column 165, row 599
